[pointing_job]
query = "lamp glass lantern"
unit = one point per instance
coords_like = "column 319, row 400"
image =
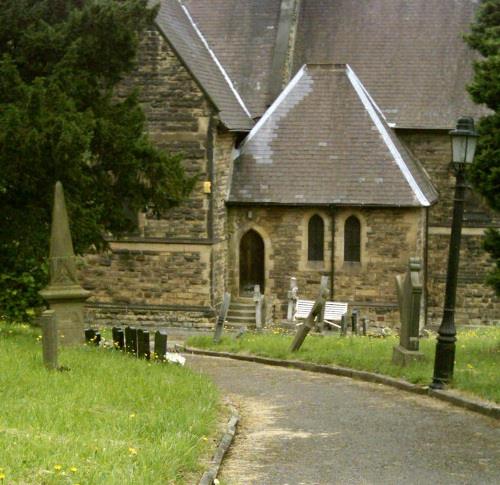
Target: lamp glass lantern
column 464, row 141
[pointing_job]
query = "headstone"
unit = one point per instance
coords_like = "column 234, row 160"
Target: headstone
column 343, row 326
column 354, row 322
column 409, row 291
column 131, row 340
column 219, row 325
column 92, row 336
column 160, row 344
column 258, row 299
column 364, row 323
column 143, row 348
column 118, row 338
column 64, row 295
column 49, row 339
column 314, row 316
column 292, row 298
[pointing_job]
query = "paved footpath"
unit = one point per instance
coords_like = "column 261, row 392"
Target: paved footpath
column 304, row 428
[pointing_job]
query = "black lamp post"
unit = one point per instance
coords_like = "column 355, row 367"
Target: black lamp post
column 464, row 141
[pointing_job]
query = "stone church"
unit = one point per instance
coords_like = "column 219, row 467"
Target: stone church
column 319, row 133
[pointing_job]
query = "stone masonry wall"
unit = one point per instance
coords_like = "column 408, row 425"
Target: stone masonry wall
column 388, row 238
column 177, row 114
column 476, row 302
column 174, row 273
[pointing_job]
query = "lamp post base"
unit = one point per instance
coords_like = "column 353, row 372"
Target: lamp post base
column 444, row 363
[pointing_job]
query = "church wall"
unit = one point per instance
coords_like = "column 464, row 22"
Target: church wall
column 173, row 271
column 476, row 302
column 389, row 237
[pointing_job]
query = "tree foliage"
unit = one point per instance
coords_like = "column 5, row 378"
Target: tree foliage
column 485, row 89
column 61, row 119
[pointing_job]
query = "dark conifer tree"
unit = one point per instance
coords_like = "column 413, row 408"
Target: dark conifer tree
column 60, row 119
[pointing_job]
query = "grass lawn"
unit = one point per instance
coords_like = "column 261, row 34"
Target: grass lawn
column 476, row 368
column 111, row 419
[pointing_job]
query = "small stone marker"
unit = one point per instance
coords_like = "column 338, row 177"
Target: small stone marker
column 409, row 291
column 219, row 325
column 354, row 322
column 315, row 314
column 258, row 299
column 343, row 326
column 292, row 298
column 49, row 339
column 92, row 336
column 131, row 340
column 143, row 349
column 64, row 295
column 118, row 338
column 161, row 344
column 364, row 323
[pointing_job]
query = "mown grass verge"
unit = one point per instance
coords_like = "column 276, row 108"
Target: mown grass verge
column 476, row 368
column 110, row 419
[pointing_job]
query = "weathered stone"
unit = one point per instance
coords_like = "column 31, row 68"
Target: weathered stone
column 64, row 295
column 409, row 291
column 131, row 340
column 118, row 338
column 160, row 348
column 49, row 339
column 221, row 318
column 143, row 344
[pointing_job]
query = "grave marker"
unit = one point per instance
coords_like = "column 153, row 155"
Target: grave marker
column 49, row 339
column 160, row 344
column 143, row 349
column 219, row 325
column 409, row 291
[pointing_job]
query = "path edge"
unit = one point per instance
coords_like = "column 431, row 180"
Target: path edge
column 225, row 442
column 489, row 409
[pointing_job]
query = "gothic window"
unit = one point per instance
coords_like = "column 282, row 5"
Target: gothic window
column 352, row 240
column 316, row 236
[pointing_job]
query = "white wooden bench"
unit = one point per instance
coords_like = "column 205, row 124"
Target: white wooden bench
column 334, row 311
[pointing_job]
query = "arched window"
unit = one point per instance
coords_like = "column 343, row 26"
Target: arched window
column 315, row 238
column 352, row 239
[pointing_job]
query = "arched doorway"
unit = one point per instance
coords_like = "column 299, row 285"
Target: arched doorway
column 251, row 262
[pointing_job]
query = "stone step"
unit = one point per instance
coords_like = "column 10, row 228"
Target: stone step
column 240, row 318
column 250, row 313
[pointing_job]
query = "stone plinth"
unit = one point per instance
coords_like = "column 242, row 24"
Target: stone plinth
column 402, row 356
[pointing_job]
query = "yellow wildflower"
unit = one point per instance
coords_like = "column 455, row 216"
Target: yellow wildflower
column 132, row 415
column 132, row 451
column 2, row 476
column 57, row 468
column 73, row 469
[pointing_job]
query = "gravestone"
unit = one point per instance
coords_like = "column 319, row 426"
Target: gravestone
column 118, row 338
column 315, row 315
column 292, row 298
column 131, row 340
column 143, row 349
column 258, row 299
column 409, row 291
column 92, row 336
column 63, row 293
column 221, row 318
column 160, row 344
column 49, row 339
column 354, row 322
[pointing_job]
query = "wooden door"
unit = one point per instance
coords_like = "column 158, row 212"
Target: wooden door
column 251, row 262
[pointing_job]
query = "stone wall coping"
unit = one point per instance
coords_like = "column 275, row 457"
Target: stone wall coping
column 486, row 408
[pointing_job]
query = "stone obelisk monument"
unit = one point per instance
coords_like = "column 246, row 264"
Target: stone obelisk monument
column 64, row 295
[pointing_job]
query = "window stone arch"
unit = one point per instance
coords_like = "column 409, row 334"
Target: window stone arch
column 316, row 238
column 352, row 240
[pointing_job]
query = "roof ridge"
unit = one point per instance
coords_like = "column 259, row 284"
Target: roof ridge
column 293, row 82
column 372, row 109
column 215, row 59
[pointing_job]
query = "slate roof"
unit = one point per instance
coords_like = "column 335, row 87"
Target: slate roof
column 242, row 33
column 178, row 27
column 324, row 141
column 410, row 54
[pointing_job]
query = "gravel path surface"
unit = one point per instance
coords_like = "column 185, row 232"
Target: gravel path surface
column 310, row 429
